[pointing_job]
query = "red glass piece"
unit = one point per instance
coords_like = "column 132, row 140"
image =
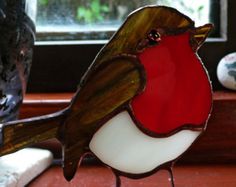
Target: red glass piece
column 177, row 92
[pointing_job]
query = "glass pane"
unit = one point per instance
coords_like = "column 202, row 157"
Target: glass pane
column 98, row 19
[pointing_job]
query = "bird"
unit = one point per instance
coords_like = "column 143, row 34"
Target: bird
column 144, row 100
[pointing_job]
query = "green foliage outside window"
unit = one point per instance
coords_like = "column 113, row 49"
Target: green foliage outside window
column 95, row 12
column 86, row 11
column 98, row 19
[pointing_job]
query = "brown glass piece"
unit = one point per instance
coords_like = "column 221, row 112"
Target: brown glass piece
column 112, row 85
column 75, row 125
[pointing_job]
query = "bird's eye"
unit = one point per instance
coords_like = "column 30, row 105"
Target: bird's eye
column 154, row 37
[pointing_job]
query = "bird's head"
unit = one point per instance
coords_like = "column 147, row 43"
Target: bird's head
column 152, row 23
column 147, row 26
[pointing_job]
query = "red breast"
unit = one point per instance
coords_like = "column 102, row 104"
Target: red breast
column 177, row 92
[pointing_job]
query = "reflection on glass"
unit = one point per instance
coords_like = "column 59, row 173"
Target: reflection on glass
column 98, row 19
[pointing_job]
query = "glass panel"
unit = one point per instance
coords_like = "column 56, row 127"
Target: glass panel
column 98, row 19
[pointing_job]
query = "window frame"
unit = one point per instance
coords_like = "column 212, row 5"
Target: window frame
column 58, row 66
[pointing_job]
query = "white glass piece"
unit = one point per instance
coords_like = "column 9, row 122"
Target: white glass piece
column 121, row 145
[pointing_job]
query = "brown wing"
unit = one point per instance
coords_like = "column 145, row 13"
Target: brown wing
column 108, row 88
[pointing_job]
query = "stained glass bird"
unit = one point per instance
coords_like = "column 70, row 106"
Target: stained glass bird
column 142, row 103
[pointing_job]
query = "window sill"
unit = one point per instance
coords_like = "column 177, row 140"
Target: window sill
column 36, row 104
column 217, row 145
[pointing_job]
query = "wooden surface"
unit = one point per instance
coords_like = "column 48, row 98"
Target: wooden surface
column 185, row 176
column 42, row 104
column 217, row 145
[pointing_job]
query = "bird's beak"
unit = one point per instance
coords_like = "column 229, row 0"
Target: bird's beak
column 199, row 35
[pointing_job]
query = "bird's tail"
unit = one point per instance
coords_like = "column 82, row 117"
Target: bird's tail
column 18, row 134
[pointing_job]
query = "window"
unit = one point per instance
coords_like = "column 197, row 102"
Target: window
column 58, row 66
column 99, row 19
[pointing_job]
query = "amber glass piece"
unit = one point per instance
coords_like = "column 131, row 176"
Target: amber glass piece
column 108, row 88
column 21, row 133
column 199, row 35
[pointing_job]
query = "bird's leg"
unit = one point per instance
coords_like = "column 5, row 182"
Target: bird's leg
column 118, row 181
column 170, row 171
column 117, row 176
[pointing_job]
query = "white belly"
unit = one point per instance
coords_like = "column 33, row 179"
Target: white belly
column 121, row 145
